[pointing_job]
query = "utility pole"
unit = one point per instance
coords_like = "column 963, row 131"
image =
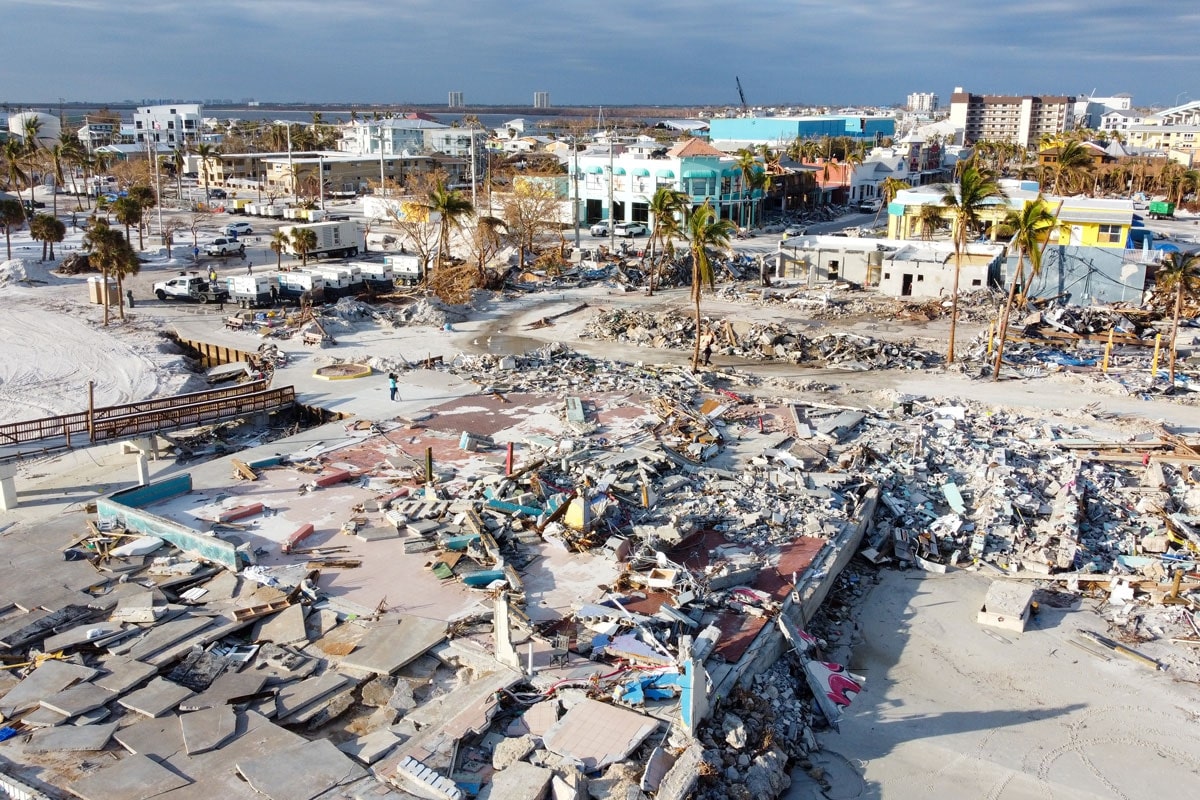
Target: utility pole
column 575, row 187
column 612, row 217
column 291, row 169
column 158, row 189
column 474, row 199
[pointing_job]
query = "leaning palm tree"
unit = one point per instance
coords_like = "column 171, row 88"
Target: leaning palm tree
column 887, row 192
column 279, row 244
column 14, row 158
column 704, row 232
column 303, row 241
column 1030, row 227
column 966, row 200
column 667, row 208
column 452, row 206
column 1178, row 273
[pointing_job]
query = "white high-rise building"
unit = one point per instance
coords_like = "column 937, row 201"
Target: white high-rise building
column 456, row 100
column 172, row 125
column 541, row 99
column 923, row 102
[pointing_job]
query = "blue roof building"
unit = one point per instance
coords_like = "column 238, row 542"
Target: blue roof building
column 784, row 130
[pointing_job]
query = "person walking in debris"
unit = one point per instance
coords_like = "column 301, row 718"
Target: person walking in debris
column 392, row 385
column 708, row 348
column 129, row 297
column 274, row 295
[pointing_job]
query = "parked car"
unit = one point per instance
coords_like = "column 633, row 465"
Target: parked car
column 628, row 230
column 600, row 228
column 795, row 230
column 218, row 194
column 238, row 229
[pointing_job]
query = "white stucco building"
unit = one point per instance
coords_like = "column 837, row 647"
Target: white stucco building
column 173, row 124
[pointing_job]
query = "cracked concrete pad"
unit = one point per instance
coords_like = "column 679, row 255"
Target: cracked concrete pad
column 230, row 686
column 135, row 776
column 208, row 729
column 596, row 734
column 519, row 781
column 124, row 673
column 78, row 699
column 285, row 627
column 370, row 747
column 300, row 773
column 295, row 698
column 157, row 698
column 388, row 647
column 50, row 677
column 70, row 738
column 161, row 738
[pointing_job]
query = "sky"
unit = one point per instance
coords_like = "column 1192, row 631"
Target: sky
column 618, row 52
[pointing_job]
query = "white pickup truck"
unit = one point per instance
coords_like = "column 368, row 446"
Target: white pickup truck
column 224, row 246
column 190, row 287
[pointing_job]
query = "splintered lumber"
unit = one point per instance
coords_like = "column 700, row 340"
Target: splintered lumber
column 248, row 613
column 243, row 469
column 1122, row 650
column 335, row 563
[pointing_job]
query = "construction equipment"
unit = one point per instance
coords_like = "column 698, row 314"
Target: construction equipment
column 742, row 95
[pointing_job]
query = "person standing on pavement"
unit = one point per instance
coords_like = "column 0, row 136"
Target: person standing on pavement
column 249, row 267
column 392, row 385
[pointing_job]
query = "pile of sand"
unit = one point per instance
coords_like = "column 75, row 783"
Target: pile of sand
column 25, row 272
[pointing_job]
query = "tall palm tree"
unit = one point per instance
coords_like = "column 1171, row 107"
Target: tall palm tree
column 705, row 232
column 128, row 212
column 1180, row 273
column 58, row 157
column 12, row 214
column 746, row 162
column 178, row 162
column 304, row 241
column 452, row 206
column 207, row 153
column 1030, row 226
column 279, row 243
column 31, row 131
column 966, row 200
column 760, row 184
column 14, row 158
column 146, row 199
column 667, row 209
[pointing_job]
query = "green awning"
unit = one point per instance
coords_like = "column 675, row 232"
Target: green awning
column 665, row 173
column 595, row 170
column 699, row 173
column 618, row 170
column 731, row 171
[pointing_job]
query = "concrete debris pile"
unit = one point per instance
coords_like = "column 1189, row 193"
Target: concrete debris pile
column 676, row 330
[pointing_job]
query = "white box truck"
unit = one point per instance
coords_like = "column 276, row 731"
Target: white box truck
column 334, row 239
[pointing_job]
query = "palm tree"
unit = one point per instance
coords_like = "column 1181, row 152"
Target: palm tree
column 33, row 149
column 1178, row 272
column 760, row 183
column 207, row 153
column 966, row 200
column 887, row 192
column 128, row 212
column 704, row 232
column 14, row 155
column 146, row 199
column 304, row 241
column 111, row 254
column 40, row 231
column 452, row 206
column 1072, row 163
column 1030, row 226
column 667, row 208
column 57, row 156
column 279, row 243
column 12, row 214
column 746, row 162
column 930, row 219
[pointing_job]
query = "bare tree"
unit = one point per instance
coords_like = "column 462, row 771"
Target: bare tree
column 529, row 210
column 170, row 228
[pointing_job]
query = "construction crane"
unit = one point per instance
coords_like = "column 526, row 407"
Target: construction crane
column 742, row 95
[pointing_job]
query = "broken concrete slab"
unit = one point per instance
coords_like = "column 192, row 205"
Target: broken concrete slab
column 295, row 698
column 50, row 677
column 370, row 747
column 597, row 734
column 386, row 647
column 116, row 782
column 157, row 698
column 300, row 773
column 78, row 699
column 165, row 635
column 229, row 688
column 508, row 751
column 285, row 627
column 519, row 781
column 1007, row 605
column 71, row 738
column 160, row 738
column 138, row 608
column 208, row 729
column 95, row 633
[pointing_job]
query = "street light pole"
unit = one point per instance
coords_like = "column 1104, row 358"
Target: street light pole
column 575, row 189
column 612, row 217
column 291, row 169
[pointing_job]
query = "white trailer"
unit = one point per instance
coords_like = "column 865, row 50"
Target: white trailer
column 338, row 282
column 250, row 291
column 377, row 277
column 334, row 239
column 407, row 269
column 296, row 284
